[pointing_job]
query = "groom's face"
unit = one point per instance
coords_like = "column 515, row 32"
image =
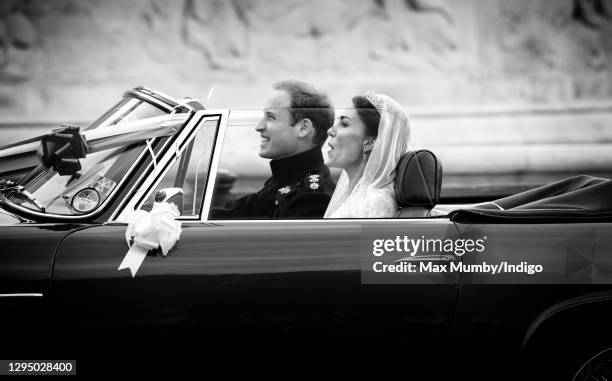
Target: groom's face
column 279, row 138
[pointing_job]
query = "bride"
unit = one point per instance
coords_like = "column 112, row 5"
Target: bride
column 367, row 143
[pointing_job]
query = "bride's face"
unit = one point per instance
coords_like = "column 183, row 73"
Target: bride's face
column 346, row 139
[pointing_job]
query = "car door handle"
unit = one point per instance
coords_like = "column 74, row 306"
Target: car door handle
column 429, row 258
column 22, row 295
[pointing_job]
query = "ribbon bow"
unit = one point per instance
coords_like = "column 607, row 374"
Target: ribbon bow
column 151, row 230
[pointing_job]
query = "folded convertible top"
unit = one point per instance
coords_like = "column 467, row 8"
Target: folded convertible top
column 576, row 199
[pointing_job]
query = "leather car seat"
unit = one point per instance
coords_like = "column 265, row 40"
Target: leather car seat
column 418, row 181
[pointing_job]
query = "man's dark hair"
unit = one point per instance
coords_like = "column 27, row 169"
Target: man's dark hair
column 309, row 103
column 368, row 114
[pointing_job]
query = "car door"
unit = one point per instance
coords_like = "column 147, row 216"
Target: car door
column 268, row 277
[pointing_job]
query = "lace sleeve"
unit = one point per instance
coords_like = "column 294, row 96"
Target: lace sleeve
column 379, row 203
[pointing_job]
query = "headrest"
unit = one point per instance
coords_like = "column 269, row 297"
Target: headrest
column 418, row 179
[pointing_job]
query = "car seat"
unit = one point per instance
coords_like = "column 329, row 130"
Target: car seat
column 418, row 181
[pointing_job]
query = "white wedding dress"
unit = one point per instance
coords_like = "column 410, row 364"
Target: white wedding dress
column 374, row 194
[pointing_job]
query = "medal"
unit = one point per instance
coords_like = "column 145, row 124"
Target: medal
column 314, row 182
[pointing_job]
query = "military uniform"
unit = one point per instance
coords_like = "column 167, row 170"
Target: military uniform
column 300, row 188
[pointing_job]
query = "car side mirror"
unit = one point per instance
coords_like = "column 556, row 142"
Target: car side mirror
column 170, row 195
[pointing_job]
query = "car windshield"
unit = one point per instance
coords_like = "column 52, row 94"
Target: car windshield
column 45, row 190
column 82, row 192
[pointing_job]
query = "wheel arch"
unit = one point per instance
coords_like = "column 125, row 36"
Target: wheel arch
column 566, row 311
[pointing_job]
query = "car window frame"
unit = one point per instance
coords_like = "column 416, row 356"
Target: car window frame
column 141, row 190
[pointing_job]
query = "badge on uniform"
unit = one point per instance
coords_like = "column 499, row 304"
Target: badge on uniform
column 314, row 182
column 284, row 190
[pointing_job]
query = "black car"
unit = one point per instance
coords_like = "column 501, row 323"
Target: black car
column 62, row 232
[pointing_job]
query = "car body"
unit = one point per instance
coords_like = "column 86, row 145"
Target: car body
column 281, row 278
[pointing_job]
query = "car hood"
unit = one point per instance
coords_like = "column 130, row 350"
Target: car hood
column 8, row 218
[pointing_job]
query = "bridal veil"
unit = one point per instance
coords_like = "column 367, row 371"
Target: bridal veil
column 374, row 195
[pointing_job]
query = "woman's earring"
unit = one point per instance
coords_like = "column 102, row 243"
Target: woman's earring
column 367, row 148
column 366, row 152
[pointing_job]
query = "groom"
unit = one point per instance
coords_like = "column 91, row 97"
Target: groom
column 294, row 126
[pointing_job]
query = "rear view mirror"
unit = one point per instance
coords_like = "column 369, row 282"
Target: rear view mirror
column 62, row 150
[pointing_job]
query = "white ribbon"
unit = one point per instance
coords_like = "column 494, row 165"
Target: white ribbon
column 151, row 230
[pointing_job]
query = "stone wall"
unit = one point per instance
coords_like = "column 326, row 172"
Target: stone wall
column 67, row 60
column 433, row 53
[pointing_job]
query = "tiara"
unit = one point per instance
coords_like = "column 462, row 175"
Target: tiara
column 375, row 100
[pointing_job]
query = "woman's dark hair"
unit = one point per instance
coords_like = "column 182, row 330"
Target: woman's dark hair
column 368, row 114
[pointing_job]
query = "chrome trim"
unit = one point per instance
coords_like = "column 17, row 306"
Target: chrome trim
column 175, row 156
column 189, row 218
column 19, row 149
column 165, row 96
column 166, row 100
column 335, row 220
column 195, row 220
column 22, row 295
column 134, row 191
column 491, row 202
column 131, row 102
column 214, row 166
column 169, row 158
column 131, row 193
column 549, row 312
column 429, row 258
column 137, row 94
column 27, row 224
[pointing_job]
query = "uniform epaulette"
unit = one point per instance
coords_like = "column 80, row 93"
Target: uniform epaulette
column 311, row 182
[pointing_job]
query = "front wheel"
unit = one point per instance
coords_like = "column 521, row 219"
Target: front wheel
column 598, row 367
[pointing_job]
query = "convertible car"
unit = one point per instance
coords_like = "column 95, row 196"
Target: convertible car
column 67, row 197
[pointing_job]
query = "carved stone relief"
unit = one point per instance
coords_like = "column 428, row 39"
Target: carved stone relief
column 19, row 41
column 427, row 51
